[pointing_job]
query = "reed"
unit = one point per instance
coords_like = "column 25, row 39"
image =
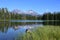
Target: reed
column 42, row 33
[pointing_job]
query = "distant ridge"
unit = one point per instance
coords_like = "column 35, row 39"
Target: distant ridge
column 29, row 12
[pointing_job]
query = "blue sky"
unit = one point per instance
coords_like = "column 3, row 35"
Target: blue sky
column 40, row 6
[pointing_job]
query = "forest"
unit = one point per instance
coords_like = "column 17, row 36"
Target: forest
column 5, row 14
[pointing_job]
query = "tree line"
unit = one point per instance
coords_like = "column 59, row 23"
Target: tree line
column 7, row 15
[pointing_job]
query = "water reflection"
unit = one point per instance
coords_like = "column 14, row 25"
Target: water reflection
column 53, row 22
column 10, row 30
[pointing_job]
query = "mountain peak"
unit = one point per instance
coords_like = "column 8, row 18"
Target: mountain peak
column 30, row 12
column 17, row 11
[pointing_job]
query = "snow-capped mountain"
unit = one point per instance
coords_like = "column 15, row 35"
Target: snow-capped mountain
column 29, row 12
column 17, row 11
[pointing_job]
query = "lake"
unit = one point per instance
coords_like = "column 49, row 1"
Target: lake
column 13, row 28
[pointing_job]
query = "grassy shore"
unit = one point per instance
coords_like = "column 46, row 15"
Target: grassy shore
column 43, row 33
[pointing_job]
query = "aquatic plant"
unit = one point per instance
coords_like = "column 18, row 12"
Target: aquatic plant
column 42, row 33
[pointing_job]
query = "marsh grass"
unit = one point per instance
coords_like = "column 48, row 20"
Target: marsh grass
column 43, row 33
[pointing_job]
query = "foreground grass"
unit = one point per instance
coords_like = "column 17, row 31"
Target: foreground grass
column 43, row 33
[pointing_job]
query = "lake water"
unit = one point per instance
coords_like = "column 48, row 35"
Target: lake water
column 10, row 30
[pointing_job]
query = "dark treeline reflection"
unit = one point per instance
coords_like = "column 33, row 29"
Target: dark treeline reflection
column 24, row 23
column 55, row 23
column 10, row 24
column 5, row 25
